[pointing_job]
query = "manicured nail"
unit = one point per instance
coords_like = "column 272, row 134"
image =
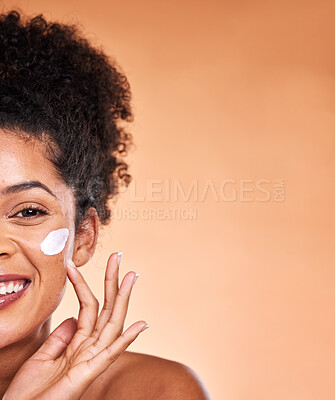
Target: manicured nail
column 71, row 263
column 119, row 256
column 136, row 277
column 146, row 327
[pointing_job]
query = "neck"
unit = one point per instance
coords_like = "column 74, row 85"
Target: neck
column 15, row 354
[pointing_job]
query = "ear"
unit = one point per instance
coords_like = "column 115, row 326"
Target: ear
column 86, row 239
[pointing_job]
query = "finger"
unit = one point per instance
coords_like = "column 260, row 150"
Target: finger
column 111, row 289
column 87, row 371
column 89, row 305
column 114, row 326
column 57, row 341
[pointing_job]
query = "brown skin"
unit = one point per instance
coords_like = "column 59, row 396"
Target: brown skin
column 25, row 325
column 21, row 337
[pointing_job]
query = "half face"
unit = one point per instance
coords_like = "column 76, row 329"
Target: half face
column 29, row 215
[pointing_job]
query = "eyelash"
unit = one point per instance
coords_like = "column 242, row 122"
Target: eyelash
column 33, row 208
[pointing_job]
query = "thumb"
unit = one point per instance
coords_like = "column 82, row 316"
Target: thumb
column 57, row 341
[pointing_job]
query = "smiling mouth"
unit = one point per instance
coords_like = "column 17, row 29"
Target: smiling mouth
column 13, row 286
column 12, row 290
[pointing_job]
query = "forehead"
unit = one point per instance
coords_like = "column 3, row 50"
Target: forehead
column 26, row 159
column 23, row 157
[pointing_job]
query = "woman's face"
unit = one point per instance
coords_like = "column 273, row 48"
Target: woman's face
column 22, row 232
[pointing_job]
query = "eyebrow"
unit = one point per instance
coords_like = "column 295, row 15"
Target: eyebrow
column 20, row 187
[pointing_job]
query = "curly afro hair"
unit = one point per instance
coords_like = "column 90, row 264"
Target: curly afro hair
column 54, row 86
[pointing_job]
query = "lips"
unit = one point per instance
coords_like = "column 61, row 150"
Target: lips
column 8, row 299
column 13, row 277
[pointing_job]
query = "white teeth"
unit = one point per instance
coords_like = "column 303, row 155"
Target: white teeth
column 11, row 288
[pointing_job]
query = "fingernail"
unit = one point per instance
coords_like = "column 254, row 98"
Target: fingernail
column 71, row 263
column 146, row 327
column 136, row 277
column 119, row 256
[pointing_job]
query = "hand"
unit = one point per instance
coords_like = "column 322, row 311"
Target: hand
column 77, row 352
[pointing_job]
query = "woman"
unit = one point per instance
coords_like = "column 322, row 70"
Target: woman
column 61, row 148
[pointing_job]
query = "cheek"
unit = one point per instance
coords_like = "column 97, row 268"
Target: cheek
column 52, row 245
column 53, row 278
column 54, row 242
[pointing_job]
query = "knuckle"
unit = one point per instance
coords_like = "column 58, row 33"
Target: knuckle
column 120, row 295
column 128, row 337
column 111, row 323
column 112, row 356
column 92, row 302
column 116, row 326
column 108, row 305
column 95, row 333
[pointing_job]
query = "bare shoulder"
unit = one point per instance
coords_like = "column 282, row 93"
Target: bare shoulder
column 147, row 377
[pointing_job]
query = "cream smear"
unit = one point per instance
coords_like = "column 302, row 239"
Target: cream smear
column 55, row 241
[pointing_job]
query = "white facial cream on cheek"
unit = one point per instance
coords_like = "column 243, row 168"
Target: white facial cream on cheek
column 55, row 241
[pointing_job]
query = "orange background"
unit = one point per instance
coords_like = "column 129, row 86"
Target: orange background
column 239, row 91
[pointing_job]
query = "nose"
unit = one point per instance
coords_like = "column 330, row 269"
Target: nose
column 7, row 246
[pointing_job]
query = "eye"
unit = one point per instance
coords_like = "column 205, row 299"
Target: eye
column 30, row 212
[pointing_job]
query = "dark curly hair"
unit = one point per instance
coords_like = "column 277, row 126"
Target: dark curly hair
column 56, row 87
